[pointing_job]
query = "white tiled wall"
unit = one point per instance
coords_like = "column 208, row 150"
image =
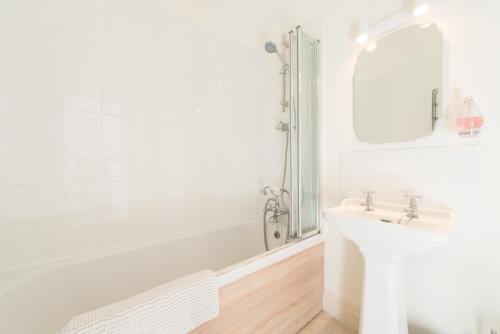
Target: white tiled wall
column 439, row 175
column 122, row 122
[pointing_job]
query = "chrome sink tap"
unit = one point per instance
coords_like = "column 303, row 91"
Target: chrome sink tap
column 368, row 201
column 412, row 210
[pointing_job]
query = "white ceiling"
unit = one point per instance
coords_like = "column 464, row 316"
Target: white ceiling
column 250, row 21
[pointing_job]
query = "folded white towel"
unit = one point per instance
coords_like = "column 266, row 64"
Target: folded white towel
column 173, row 308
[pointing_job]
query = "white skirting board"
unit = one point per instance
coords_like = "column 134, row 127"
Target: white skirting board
column 344, row 312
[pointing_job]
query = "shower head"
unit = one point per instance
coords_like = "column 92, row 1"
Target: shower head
column 270, row 47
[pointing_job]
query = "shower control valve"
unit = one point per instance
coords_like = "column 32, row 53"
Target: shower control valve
column 282, row 126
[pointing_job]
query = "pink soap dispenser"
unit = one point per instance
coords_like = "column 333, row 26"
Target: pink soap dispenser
column 470, row 120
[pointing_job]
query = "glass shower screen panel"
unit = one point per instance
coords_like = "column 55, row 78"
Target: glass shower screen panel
column 304, row 136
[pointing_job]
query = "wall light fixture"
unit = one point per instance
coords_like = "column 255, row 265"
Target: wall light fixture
column 367, row 32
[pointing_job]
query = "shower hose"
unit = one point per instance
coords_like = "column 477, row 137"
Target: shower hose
column 264, row 219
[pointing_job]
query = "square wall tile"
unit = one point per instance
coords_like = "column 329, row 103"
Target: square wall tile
column 167, row 153
column 228, row 196
column 77, row 18
column 124, row 87
column 268, row 75
column 201, row 154
column 125, row 148
column 18, row 9
column 201, row 51
column 18, row 60
column 167, row 208
column 70, row 73
column 354, row 175
column 400, row 173
column 448, row 176
column 391, row 174
column 18, row 144
column 227, row 131
column 201, row 98
column 437, row 174
column 70, row 146
column 201, row 131
column 252, row 126
column 125, row 29
column 125, row 213
column 133, row 10
column 18, row 227
column 228, row 113
column 168, row 95
column 123, row 38
column 70, row 219
column 201, row 201
column 252, row 203
column 250, row 77
column 273, row 142
column 229, row 56
column 168, row 38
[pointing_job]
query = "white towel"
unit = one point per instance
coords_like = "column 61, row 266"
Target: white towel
column 173, row 308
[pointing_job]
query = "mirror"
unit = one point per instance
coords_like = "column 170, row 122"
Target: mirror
column 398, row 86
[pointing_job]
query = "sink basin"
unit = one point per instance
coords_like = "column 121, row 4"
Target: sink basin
column 388, row 230
column 385, row 237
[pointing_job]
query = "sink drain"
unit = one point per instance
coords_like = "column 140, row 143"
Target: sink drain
column 277, row 234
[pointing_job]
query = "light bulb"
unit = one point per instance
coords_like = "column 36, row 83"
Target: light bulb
column 362, row 33
column 421, row 8
column 425, row 25
column 372, row 47
column 361, row 39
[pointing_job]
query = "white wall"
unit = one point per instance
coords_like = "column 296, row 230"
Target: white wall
column 123, row 122
column 450, row 290
column 252, row 22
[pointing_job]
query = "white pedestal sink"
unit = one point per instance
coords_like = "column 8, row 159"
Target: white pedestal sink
column 385, row 237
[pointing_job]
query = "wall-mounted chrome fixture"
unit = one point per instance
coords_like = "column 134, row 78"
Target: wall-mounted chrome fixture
column 276, row 192
column 274, row 209
column 369, row 31
column 270, row 47
column 282, row 126
column 435, row 105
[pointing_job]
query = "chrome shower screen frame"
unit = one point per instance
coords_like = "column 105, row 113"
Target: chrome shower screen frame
column 304, row 136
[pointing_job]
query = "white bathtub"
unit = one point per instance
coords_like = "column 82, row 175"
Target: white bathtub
column 41, row 300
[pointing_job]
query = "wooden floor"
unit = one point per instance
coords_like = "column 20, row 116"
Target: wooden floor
column 324, row 324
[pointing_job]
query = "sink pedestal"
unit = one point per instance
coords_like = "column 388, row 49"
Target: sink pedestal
column 385, row 239
column 383, row 307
